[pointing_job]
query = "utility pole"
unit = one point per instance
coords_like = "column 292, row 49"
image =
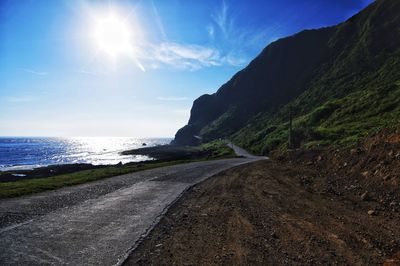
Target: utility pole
column 290, row 128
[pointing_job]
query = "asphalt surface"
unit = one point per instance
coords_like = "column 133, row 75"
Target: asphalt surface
column 97, row 223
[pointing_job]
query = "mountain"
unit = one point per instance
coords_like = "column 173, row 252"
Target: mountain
column 341, row 83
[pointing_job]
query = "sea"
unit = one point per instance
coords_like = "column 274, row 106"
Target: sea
column 21, row 153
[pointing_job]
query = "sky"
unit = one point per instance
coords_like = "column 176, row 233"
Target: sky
column 133, row 68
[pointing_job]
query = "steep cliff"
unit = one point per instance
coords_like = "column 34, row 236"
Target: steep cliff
column 342, row 83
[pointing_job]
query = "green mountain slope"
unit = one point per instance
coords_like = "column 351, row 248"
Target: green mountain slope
column 342, row 83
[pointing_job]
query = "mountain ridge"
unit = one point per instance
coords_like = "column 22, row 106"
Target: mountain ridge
column 306, row 71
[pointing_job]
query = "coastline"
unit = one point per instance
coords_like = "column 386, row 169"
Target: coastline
column 18, row 183
column 27, row 153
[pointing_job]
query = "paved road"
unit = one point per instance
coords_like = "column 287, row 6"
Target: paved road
column 99, row 222
column 242, row 152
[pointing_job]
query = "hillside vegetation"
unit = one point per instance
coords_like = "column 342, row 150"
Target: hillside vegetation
column 342, row 82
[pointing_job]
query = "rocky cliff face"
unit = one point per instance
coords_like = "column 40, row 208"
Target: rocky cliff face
column 305, row 70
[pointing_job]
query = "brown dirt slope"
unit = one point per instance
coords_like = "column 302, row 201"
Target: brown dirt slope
column 274, row 213
column 371, row 170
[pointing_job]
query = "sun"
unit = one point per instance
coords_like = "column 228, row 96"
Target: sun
column 113, row 36
column 117, row 34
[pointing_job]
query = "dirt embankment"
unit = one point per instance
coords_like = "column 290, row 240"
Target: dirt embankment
column 311, row 209
column 370, row 171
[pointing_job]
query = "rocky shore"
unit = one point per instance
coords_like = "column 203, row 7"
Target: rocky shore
column 171, row 152
column 162, row 153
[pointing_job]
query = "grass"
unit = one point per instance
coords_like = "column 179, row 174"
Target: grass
column 339, row 122
column 218, row 150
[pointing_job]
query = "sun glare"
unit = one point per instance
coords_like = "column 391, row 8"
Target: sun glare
column 116, row 33
column 113, row 36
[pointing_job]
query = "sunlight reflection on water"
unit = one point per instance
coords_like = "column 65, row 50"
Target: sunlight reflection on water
column 25, row 153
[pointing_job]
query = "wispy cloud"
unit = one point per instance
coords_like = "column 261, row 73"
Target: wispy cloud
column 229, row 44
column 158, row 20
column 233, row 40
column 39, row 73
column 172, row 98
column 183, row 56
column 221, row 18
column 189, row 56
column 186, row 56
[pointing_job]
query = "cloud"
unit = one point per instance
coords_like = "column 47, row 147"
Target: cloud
column 160, row 25
column 229, row 45
column 236, row 43
column 173, row 98
column 186, row 56
column 189, row 56
column 39, row 73
column 222, row 20
column 179, row 56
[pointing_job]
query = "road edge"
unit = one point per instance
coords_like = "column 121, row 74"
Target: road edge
column 155, row 222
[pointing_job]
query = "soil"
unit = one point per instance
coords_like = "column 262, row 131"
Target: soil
column 327, row 207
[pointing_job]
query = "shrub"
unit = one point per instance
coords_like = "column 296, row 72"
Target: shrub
column 323, row 111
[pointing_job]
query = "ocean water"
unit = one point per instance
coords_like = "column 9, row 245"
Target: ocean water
column 28, row 153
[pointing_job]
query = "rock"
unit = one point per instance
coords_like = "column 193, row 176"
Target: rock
column 355, row 151
column 345, row 164
column 386, row 177
column 371, row 212
column 365, row 174
column 309, row 163
column 365, row 196
column 351, row 187
column 319, row 158
column 274, row 235
column 390, row 154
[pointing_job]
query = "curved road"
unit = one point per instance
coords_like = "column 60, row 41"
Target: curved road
column 97, row 223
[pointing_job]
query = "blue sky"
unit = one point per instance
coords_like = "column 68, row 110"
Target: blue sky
column 59, row 78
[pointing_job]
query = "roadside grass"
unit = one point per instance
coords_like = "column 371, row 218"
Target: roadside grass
column 217, row 149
